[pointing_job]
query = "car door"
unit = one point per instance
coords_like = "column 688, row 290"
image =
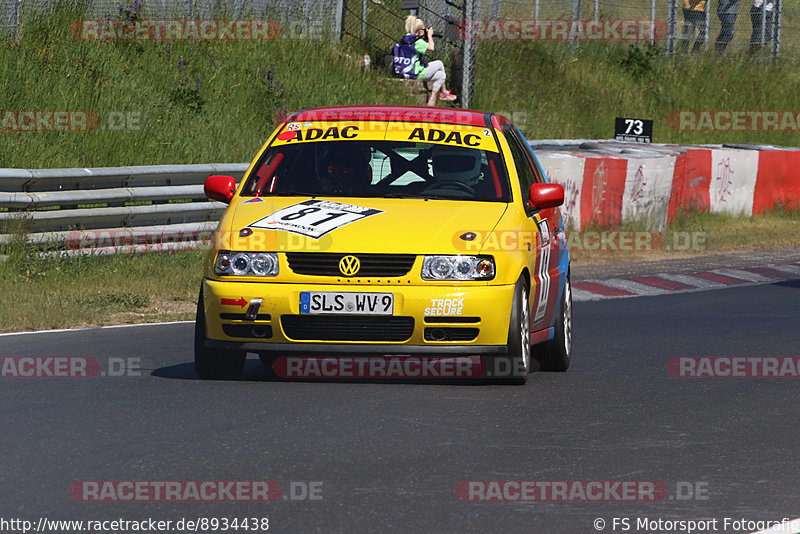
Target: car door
column 543, row 261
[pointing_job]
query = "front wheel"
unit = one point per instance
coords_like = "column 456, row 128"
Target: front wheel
column 519, row 337
column 556, row 354
column 214, row 363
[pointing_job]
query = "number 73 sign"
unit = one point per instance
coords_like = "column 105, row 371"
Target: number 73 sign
column 633, row 130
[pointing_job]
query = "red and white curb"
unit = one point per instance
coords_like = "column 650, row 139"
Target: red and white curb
column 662, row 284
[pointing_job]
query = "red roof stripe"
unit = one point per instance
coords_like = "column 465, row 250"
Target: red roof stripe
column 394, row 114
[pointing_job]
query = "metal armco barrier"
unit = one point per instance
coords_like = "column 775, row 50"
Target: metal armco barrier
column 160, row 198
column 606, row 183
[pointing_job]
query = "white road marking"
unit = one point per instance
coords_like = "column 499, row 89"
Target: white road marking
column 61, row 330
column 635, row 287
column 580, row 295
column 744, row 275
column 794, row 269
column 690, row 280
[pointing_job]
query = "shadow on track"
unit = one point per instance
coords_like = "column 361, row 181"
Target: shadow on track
column 255, row 371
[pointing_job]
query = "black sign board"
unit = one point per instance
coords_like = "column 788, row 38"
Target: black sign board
column 409, row 4
column 633, row 130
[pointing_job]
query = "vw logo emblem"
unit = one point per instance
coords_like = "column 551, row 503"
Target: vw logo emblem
column 349, row 265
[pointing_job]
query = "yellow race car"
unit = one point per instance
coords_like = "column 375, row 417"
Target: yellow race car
column 361, row 234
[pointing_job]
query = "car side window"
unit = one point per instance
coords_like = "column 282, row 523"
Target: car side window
column 521, row 163
column 539, row 176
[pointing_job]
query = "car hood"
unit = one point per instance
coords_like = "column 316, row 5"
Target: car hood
column 379, row 225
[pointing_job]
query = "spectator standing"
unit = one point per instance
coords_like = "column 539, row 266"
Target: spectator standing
column 694, row 18
column 761, row 17
column 727, row 10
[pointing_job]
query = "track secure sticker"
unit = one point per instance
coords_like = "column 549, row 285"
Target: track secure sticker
column 314, row 218
column 444, row 307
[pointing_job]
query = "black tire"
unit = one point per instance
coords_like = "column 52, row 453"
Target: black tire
column 519, row 337
column 556, row 354
column 213, row 364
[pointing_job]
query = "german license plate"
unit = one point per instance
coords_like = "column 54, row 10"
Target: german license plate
column 346, row 302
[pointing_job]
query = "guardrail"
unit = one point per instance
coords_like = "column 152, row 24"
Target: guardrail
column 54, row 204
column 607, row 183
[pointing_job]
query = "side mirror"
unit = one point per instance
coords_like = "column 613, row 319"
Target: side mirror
column 220, row 188
column 543, row 196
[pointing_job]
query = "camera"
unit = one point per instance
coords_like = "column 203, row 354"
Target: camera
column 437, row 35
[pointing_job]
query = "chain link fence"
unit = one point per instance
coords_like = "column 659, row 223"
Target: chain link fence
column 379, row 24
column 312, row 19
column 720, row 28
column 759, row 29
column 763, row 27
column 9, row 19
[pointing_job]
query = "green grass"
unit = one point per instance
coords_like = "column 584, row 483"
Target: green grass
column 243, row 86
column 776, row 229
column 45, row 293
column 562, row 93
column 705, row 233
column 552, row 89
column 41, row 294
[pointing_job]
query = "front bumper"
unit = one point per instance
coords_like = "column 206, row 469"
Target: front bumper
column 462, row 309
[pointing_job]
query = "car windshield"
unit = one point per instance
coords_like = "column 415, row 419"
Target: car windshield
column 393, row 169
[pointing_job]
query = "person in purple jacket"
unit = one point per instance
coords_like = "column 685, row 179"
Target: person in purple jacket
column 433, row 71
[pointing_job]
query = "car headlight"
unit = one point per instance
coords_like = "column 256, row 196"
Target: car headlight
column 246, row 263
column 458, row 268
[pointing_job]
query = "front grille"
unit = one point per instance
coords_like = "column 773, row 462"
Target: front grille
column 248, row 330
column 451, row 334
column 347, row 327
column 327, row 263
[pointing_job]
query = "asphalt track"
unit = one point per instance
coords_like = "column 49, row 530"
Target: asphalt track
column 390, row 455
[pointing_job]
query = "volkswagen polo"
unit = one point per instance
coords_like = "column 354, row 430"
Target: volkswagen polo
column 375, row 232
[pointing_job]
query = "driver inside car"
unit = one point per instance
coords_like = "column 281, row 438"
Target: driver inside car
column 456, row 168
column 342, row 168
